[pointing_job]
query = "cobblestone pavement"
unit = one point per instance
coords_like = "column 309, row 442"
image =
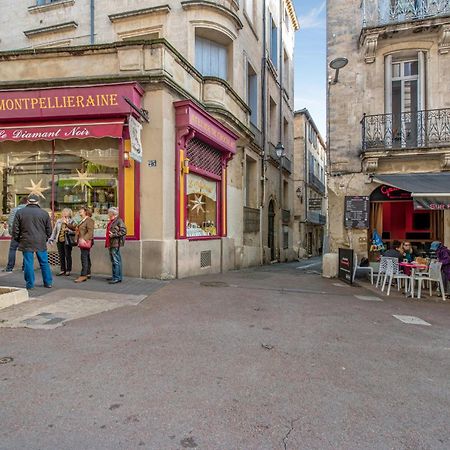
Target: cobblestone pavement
column 268, row 358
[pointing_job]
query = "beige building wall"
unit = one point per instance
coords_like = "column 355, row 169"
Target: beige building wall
column 361, row 89
column 50, row 45
column 310, row 196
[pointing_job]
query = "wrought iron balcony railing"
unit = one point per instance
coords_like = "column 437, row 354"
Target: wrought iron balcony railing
column 421, row 129
column 317, row 218
column 384, row 12
column 316, row 182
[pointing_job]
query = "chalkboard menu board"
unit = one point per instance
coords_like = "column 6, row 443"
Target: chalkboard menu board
column 346, row 262
column 357, row 212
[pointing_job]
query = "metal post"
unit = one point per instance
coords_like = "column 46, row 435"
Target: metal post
column 92, row 13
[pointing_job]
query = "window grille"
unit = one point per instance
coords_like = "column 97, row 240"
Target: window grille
column 204, row 157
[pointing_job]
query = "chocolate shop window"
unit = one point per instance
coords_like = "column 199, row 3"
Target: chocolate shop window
column 79, row 173
column 202, row 206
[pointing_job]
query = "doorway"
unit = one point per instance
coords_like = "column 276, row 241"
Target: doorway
column 271, row 235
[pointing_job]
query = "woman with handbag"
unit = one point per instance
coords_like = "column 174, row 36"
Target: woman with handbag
column 85, row 237
column 65, row 240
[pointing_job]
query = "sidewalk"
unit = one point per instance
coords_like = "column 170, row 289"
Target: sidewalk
column 66, row 301
column 98, row 283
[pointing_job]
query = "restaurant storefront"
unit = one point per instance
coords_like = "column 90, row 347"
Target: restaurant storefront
column 410, row 207
column 71, row 147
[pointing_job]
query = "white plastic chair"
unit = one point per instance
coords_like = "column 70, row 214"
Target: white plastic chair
column 434, row 274
column 363, row 269
column 393, row 273
column 382, row 270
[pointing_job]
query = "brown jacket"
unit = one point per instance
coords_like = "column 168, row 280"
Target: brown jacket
column 85, row 230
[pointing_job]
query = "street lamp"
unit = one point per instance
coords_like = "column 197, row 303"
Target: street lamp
column 279, row 150
column 337, row 64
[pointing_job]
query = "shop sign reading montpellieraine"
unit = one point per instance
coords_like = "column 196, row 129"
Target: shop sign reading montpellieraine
column 83, row 101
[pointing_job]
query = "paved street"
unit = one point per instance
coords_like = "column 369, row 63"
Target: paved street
column 268, row 358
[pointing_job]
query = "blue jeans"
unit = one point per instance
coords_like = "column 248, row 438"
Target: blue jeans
column 13, row 246
column 28, row 261
column 116, row 261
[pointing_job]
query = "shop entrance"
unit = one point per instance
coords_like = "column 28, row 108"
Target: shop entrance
column 271, row 235
column 393, row 215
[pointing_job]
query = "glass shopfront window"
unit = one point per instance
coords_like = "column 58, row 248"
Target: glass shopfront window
column 79, row 172
column 202, row 206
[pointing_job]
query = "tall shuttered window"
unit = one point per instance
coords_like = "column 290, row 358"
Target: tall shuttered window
column 211, row 58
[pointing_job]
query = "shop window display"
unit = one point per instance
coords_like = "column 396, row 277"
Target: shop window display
column 202, row 206
column 75, row 173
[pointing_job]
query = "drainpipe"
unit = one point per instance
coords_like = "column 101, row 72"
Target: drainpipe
column 92, row 13
column 263, row 131
column 280, row 132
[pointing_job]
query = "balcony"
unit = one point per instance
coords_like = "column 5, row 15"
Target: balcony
column 285, row 216
column 316, row 183
column 422, row 129
column 386, row 12
column 317, row 218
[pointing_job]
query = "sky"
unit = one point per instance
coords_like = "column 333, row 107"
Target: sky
column 310, row 60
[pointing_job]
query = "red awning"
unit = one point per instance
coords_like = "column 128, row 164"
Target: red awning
column 48, row 131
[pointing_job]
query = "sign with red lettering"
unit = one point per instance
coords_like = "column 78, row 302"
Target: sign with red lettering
column 204, row 126
column 62, row 130
column 80, row 101
column 432, row 203
column 389, row 194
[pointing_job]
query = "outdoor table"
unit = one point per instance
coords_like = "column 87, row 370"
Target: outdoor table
column 413, row 268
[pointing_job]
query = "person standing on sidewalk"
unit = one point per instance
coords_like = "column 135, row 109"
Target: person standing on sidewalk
column 31, row 229
column 60, row 236
column 13, row 245
column 115, row 238
column 85, row 234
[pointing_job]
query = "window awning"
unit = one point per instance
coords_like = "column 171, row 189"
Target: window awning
column 48, row 131
column 429, row 190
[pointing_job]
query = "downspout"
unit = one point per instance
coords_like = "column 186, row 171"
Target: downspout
column 263, row 133
column 306, row 179
column 92, row 13
column 280, row 132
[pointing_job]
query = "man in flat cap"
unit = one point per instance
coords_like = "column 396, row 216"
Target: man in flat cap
column 31, row 229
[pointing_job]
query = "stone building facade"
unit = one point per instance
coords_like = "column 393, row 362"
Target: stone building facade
column 208, row 86
column 389, row 120
column 310, row 201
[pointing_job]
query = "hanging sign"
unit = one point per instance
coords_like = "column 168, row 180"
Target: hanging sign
column 357, row 212
column 135, row 129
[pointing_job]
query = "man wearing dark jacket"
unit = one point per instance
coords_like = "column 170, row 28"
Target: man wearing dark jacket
column 115, row 238
column 31, row 229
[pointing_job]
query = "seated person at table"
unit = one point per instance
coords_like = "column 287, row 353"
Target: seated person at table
column 408, row 252
column 396, row 251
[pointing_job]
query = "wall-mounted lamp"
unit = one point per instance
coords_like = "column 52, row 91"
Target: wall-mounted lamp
column 279, row 150
column 299, row 192
column 185, row 165
column 337, row 64
column 126, row 160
